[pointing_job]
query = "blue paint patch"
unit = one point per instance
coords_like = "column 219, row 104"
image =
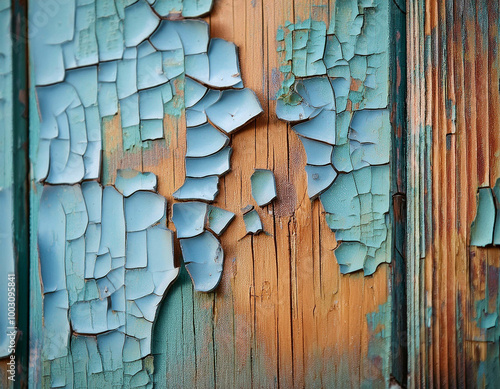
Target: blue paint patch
column 336, row 85
column 93, row 237
column 203, row 257
column 252, row 221
column 263, row 186
column 483, row 231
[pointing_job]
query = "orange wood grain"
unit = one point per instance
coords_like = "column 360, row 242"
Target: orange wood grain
column 460, row 42
column 283, row 315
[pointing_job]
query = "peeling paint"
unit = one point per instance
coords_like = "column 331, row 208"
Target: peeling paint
column 485, row 319
column 130, row 69
column 204, row 258
column 219, row 219
column 379, row 346
column 126, row 58
column 92, row 242
column 187, row 8
column 217, row 105
column 335, row 94
column 129, row 181
column 485, row 229
column 263, row 186
column 253, row 224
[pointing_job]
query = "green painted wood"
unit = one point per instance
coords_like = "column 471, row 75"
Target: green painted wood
column 183, row 344
column 399, row 187
column 14, row 169
column 7, row 184
column 21, row 180
column 35, row 322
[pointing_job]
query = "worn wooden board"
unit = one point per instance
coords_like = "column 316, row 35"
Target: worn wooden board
column 283, row 315
column 454, row 95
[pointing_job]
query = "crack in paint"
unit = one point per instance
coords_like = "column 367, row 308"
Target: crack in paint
column 106, row 263
column 335, row 94
column 106, row 256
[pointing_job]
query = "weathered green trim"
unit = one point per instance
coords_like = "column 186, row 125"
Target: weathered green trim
column 21, row 184
column 398, row 70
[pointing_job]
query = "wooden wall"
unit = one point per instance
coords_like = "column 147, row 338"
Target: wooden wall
column 283, row 315
column 453, row 98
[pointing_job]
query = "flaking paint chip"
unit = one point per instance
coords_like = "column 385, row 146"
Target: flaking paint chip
column 263, row 186
column 204, row 257
column 252, row 221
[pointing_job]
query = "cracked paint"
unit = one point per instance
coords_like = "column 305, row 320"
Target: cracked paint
column 129, row 181
column 106, row 256
column 106, row 263
column 218, row 219
column 128, row 69
column 252, row 221
column 217, row 105
column 335, row 95
column 204, row 258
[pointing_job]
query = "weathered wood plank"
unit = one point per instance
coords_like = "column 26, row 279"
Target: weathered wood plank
column 283, row 314
column 460, row 44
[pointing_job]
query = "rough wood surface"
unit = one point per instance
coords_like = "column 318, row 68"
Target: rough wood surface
column 283, row 315
column 453, row 99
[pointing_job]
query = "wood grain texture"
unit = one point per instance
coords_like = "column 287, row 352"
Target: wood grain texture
column 283, row 315
column 453, row 100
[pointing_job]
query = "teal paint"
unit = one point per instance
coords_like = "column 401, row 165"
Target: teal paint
column 204, row 260
column 336, row 85
column 486, row 319
column 398, row 89
column 484, row 223
column 189, row 218
column 263, row 186
column 14, row 229
column 36, row 314
column 7, row 184
column 187, row 8
column 129, row 181
column 379, row 347
column 183, row 339
column 252, row 221
column 485, row 228
column 104, row 59
column 219, row 219
column 88, row 254
column 21, row 186
column 187, row 348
